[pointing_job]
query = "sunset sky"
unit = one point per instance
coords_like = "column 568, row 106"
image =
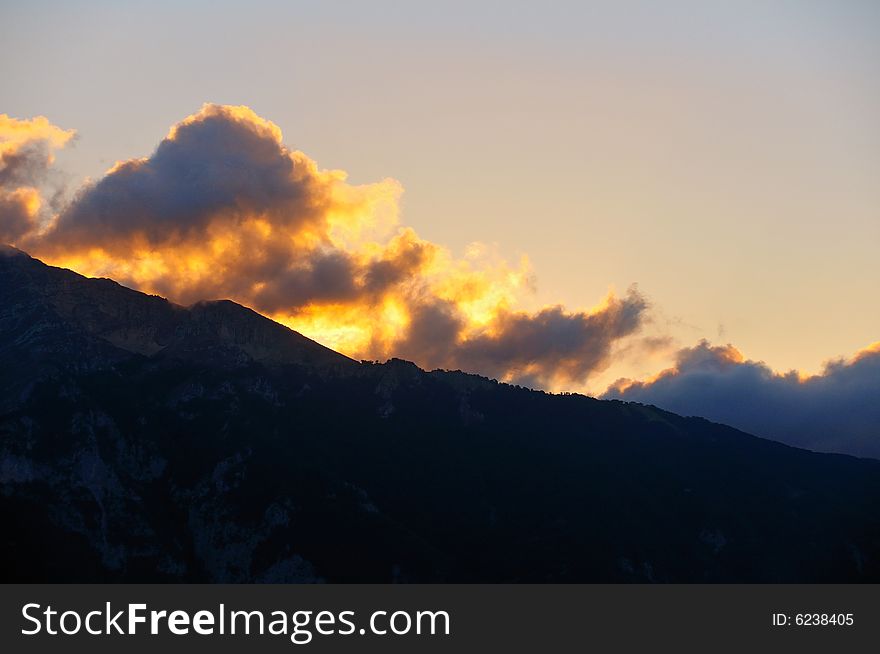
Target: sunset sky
column 520, row 160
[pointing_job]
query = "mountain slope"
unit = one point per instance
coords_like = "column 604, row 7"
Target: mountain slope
column 52, row 314
column 159, row 443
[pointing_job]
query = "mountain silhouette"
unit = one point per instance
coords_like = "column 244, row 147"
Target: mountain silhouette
column 145, row 441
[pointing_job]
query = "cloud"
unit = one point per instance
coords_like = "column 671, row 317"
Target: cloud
column 224, row 209
column 835, row 411
column 26, row 155
column 530, row 349
column 554, row 341
column 19, row 209
column 224, row 165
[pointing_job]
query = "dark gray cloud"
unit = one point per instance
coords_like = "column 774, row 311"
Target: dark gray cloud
column 554, row 343
column 551, row 346
column 27, row 165
column 836, row 411
column 322, row 276
column 216, row 168
column 17, row 214
column 432, row 335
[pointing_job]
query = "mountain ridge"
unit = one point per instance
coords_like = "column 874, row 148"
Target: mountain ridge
column 163, row 443
column 148, row 324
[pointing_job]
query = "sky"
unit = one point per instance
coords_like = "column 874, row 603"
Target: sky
column 724, row 157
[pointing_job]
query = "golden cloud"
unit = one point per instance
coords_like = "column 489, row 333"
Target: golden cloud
column 223, row 209
column 26, row 152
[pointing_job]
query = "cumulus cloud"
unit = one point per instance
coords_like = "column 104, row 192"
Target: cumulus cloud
column 835, row 411
column 571, row 344
column 26, row 155
column 224, row 209
column 225, row 165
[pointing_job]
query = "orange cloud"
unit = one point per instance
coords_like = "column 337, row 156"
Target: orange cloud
column 26, row 152
column 16, row 134
column 224, row 209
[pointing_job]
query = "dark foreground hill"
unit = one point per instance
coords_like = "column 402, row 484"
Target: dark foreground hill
column 143, row 441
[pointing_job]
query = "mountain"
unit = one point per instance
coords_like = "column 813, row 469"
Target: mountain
column 145, row 441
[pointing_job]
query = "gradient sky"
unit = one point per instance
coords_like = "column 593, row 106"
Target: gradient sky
column 724, row 156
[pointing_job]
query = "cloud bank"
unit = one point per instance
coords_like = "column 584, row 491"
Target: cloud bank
column 835, row 411
column 224, row 209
